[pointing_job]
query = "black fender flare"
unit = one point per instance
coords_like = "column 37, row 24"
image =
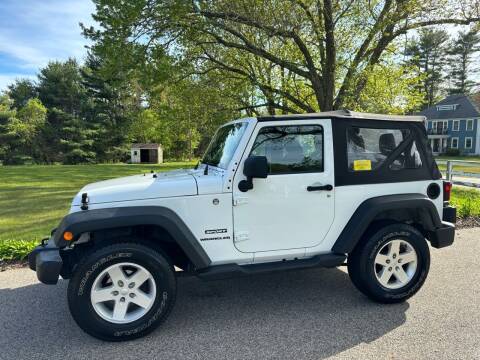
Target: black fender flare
column 116, row 217
column 369, row 209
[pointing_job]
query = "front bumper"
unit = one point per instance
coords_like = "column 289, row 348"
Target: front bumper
column 45, row 259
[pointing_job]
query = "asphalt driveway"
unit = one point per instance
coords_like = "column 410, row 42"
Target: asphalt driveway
column 308, row 314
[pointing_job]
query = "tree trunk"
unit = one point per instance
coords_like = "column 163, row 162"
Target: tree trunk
column 328, row 77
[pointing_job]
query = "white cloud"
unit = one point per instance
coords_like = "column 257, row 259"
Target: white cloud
column 34, row 32
column 8, row 79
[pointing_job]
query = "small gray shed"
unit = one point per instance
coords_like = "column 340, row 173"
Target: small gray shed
column 146, row 154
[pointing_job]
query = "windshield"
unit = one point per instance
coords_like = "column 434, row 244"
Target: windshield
column 223, row 145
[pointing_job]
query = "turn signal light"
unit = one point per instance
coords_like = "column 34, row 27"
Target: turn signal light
column 67, row 236
column 447, row 189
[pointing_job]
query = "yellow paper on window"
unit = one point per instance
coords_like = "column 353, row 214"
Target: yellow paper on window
column 362, row 165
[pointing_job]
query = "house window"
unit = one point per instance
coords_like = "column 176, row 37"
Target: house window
column 454, row 143
column 470, row 124
column 135, row 153
column 468, row 143
column 456, row 125
column 440, row 126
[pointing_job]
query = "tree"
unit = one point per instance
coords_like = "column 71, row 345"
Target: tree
column 20, row 130
column 60, row 86
column 77, row 141
column 328, row 46
column 427, row 53
column 21, row 91
column 69, row 132
column 390, row 89
column 113, row 105
column 461, row 52
column 7, row 114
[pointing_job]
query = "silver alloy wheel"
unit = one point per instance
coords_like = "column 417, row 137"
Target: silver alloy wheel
column 395, row 264
column 123, row 293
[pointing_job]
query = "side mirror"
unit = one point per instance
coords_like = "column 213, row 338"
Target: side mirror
column 254, row 167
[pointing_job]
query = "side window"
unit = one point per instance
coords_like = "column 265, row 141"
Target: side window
column 291, row 149
column 368, row 148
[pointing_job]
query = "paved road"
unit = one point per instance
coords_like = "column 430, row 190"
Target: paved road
column 311, row 314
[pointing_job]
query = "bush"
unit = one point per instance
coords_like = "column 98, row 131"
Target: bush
column 18, row 160
column 15, row 249
column 452, row 152
column 467, row 202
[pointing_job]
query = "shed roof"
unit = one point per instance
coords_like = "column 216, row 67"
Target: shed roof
column 345, row 114
column 146, row 146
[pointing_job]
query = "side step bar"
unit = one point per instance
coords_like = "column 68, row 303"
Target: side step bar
column 234, row 270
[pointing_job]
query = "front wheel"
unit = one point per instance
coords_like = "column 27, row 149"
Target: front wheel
column 390, row 264
column 122, row 292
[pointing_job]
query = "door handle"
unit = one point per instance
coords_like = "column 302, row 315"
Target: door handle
column 320, row 188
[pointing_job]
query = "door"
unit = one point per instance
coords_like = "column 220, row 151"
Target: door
column 294, row 206
column 144, row 156
column 153, row 156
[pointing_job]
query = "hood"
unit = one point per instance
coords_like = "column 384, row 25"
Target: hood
column 140, row 187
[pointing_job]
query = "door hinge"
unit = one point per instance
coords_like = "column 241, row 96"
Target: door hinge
column 240, row 200
column 241, row 236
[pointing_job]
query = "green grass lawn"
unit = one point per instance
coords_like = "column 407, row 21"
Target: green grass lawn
column 475, row 169
column 34, row 198
column 467, row 158
column 465, row 169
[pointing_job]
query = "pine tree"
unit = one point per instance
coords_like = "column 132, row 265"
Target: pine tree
column 21, row 91
column 108, row 109
column 70, row 131
column 6, row 115
column 461, row 53
column 427, row 54
column 78, row 138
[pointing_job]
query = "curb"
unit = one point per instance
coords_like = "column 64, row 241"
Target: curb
column 464, row 183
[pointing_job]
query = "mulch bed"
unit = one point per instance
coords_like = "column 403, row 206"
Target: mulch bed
column 468, row 222
column 12, row 264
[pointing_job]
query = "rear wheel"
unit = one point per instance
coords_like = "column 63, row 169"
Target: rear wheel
column 122, row 292
column 390, row 264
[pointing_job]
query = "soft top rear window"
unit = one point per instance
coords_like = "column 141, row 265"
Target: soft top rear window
column 369, row 148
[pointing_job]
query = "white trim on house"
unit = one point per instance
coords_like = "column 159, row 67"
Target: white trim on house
column 457, row 123
column 469, row 128
column 435, row 124
column 447, row 107
column 451, row 144
column 477, row 143
column 471, row 143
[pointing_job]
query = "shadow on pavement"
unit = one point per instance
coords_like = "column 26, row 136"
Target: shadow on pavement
column 302, row 314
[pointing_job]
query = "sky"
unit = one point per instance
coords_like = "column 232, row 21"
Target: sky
column 34, row 32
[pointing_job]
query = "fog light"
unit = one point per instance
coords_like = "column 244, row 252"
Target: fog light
column 67, row 236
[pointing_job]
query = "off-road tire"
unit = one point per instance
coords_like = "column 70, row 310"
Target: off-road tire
column 361, row 263
column 89, row 269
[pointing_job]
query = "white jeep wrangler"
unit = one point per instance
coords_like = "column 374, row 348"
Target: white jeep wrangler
column 271, row 193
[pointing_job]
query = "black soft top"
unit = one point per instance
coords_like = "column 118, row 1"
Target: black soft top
column 343, row 120
column 343, row 114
